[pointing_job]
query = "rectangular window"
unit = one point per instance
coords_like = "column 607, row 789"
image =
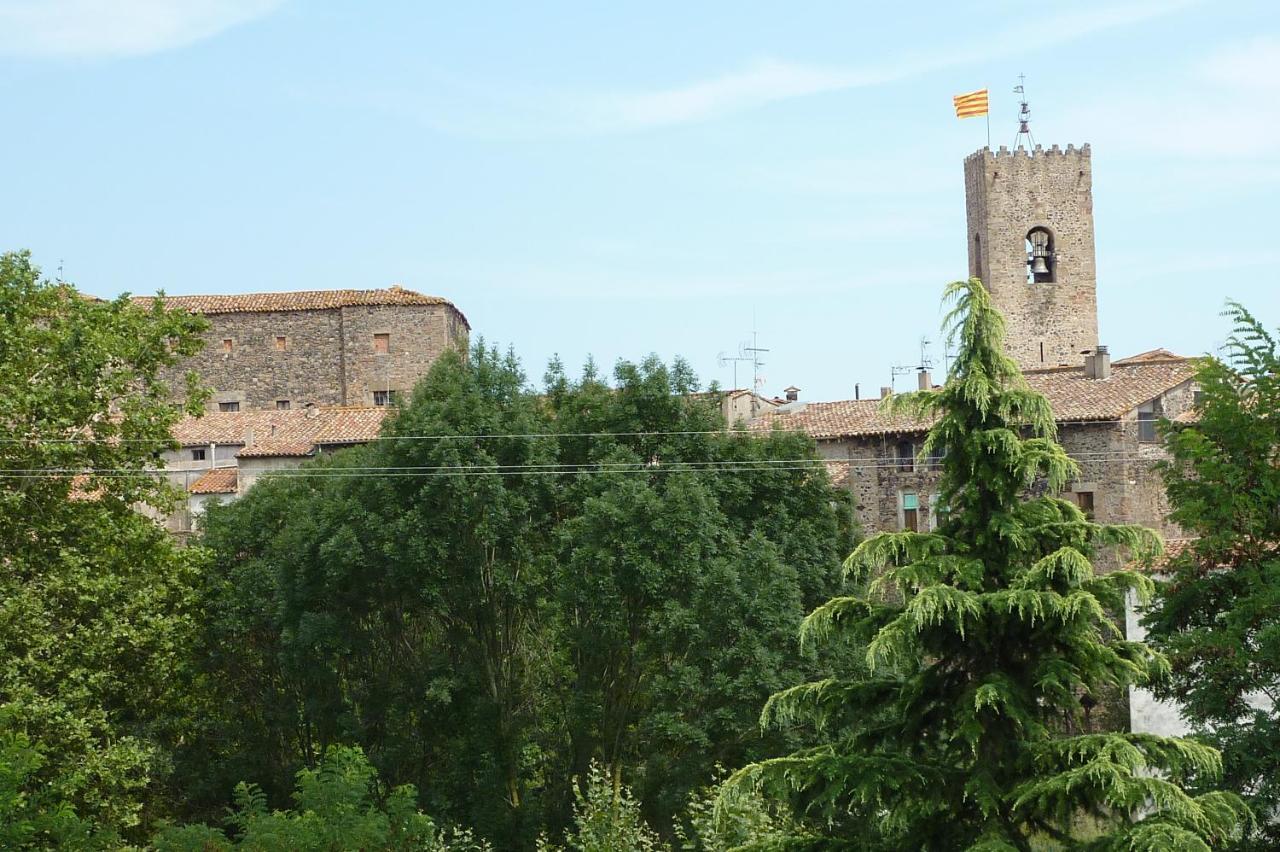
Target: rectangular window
column 906, row 453
column 384, row 397
column 1147, row 424
column 228, row 406
column 1084, row 499
column 282, row 343
column 382, row 343
column 198, row 454
column 282, row 405
column 227, row 344
column 910, row 512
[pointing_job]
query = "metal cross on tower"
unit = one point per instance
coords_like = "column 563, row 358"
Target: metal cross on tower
column 1024, row 115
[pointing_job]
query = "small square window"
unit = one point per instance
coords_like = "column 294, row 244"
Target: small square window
column 228, row 406
column 197, row 454
column 228, row 344
column 282, row 343
column 382, row 343
column 384, row 397
column 1084, row 499
column 282, row 405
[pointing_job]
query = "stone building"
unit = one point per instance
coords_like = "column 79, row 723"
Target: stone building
column 1030, row 240
column 281, row 351
column 222, row 453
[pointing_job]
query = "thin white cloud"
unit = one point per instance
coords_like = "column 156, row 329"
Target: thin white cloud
column 768, row 81
column 107, row 28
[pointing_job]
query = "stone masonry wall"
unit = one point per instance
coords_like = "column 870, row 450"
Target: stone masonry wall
column 417, row 336
column 1114, row 465
column 329, row 356
column 1009, row 193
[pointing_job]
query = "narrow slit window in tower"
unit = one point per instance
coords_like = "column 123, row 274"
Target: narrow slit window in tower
column 977, row 257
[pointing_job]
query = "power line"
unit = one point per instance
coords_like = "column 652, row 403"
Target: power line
column 722, row 466
column 922, row 427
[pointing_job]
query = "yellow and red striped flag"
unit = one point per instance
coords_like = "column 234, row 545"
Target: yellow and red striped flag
column 971, row 104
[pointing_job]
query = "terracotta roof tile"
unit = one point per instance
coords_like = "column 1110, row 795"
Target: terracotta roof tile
column 220, row 480
column 297, row 432
column 1074, row 398
column 296, row 300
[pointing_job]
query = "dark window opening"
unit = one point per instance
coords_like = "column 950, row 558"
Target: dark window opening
column 1041, row 351
column 1040, row 256
column 1084, row 499
column 906, row 455
column 977, row 257
column 282, row 405
column 228, row 406
column 198, row 454
column 384, row 397
column 1147, row 424
column 936, row 455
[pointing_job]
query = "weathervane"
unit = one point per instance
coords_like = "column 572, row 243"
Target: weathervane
column 1024, row 115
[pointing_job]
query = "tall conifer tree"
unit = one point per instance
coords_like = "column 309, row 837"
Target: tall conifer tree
column 986, row 640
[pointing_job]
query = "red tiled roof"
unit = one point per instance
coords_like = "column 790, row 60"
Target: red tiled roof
column 296, row 300
column 220, row 480
column 1073, row 396
column 297, row 432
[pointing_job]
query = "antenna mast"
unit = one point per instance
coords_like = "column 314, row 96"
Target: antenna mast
column 1024, row 115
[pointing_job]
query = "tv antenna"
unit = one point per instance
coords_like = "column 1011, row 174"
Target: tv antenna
column 1024, row 115
column 926, row 363
column 748, row 352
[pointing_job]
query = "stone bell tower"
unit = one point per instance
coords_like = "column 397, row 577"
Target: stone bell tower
column 1030, row 221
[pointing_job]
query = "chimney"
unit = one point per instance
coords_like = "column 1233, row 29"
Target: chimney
column 1098, row 365
column 793, row 393
column 857, row 390
column 924, row 381
column 885, row 391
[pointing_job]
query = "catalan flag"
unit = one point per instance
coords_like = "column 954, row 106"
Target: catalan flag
column 971, row 104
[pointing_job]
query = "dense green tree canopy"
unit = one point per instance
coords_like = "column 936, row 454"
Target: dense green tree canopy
column 94, row 597
column 984, row 639
column 509, row 585
column 1217, row 615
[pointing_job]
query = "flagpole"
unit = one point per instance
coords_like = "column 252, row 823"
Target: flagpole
column 988, row 121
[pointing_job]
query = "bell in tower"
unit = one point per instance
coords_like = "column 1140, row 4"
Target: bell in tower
column 1040, row 256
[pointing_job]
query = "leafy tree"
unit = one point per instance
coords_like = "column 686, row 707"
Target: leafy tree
column 983, row 640
column 31, row 815
column 606, row 818
column 336, row 808
column 685, row 567
column 1217, row 616
column 510, row 585
column 94, row 597
column 397, row 611
column 712, row 823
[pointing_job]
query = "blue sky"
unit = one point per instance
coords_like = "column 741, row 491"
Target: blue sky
column 587, row 178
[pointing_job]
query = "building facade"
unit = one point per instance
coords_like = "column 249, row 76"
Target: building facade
column 221, row 454
column 281, row 351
